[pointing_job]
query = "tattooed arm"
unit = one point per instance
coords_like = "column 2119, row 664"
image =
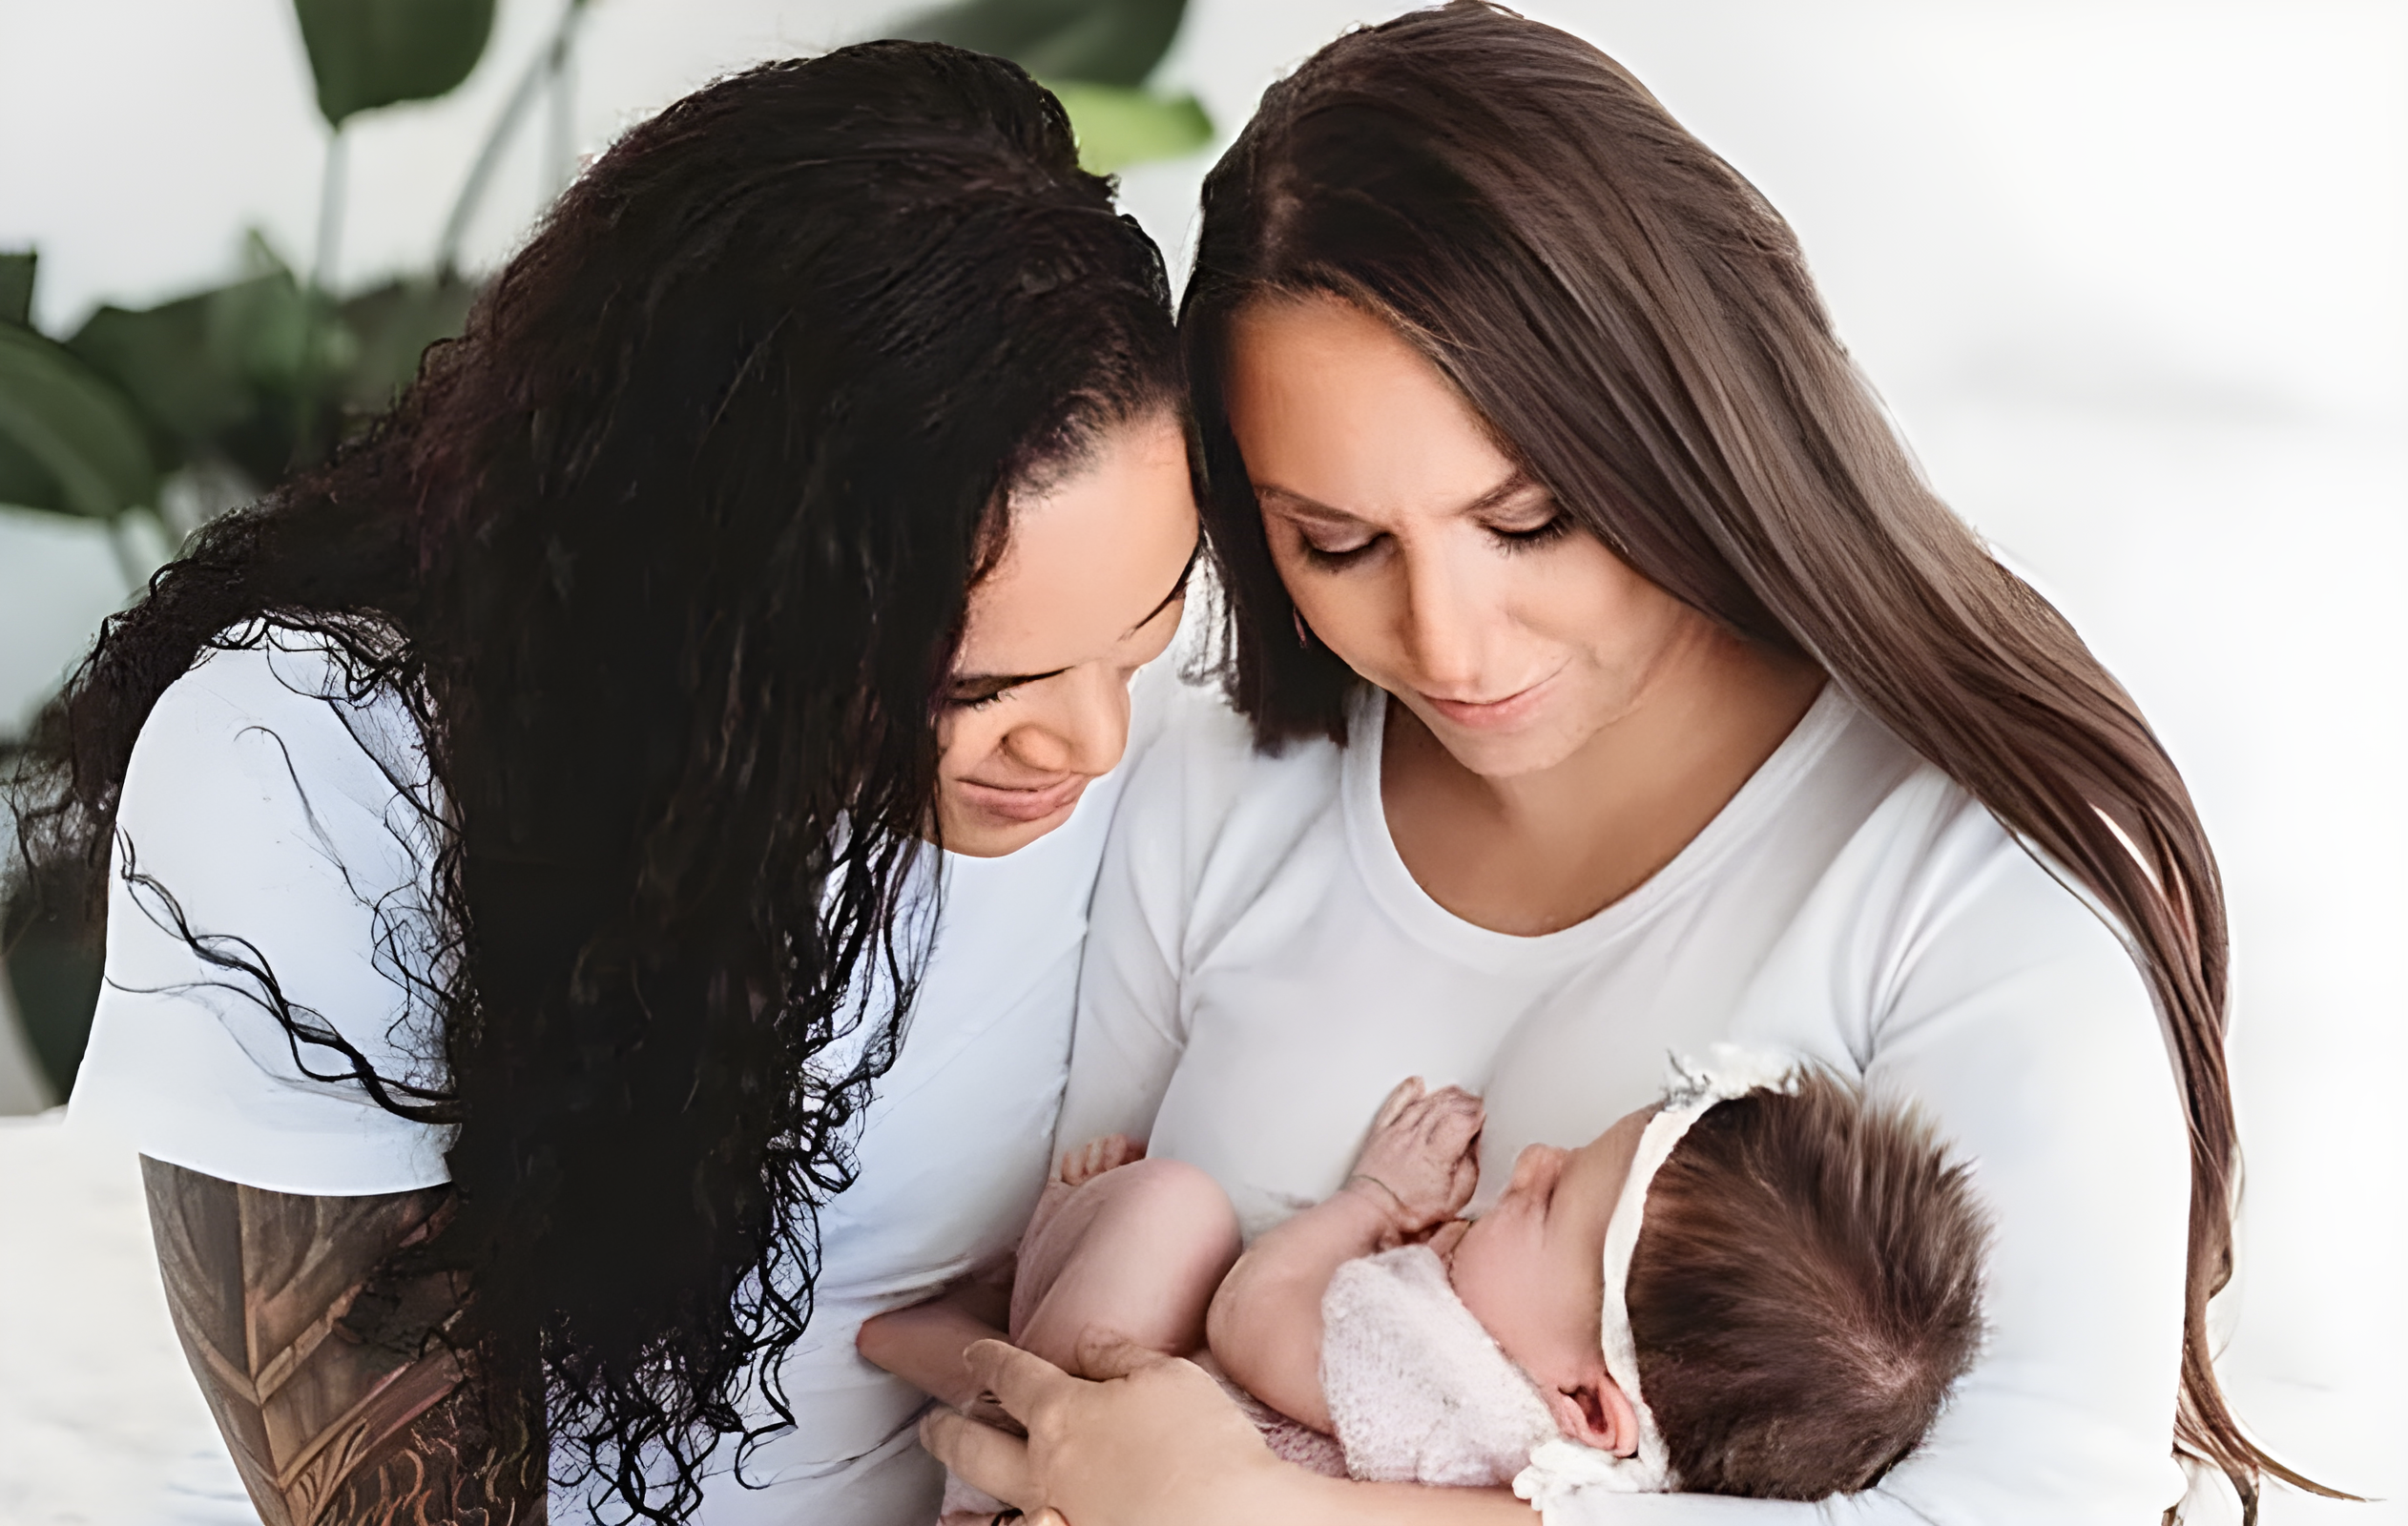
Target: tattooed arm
column 327, row 1430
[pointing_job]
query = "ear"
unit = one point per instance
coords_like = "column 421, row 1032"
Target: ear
column 1597, row 1414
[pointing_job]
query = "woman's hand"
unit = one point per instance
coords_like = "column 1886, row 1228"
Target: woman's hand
column 1420, row 1162
column 1158, row 1445
column 1161, row 1445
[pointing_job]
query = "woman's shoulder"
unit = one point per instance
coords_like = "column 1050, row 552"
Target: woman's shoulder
column 320, row 700
column 268, row 863
column 274, row 734
column 1934, row 897
column 263, row 668
column 1205, row 784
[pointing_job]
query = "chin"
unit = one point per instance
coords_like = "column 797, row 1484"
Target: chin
column 983, row 837
column 1531, row 749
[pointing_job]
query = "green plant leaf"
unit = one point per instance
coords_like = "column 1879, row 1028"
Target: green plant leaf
column 1100, row 42
column 228, row 376
column 367, row 54
column 54, row 962
column 74, row 426
column 57, row 984
column 390, row 327
column 27, row 483
column 198, row 366
column 1118, row 128
column 16, row 288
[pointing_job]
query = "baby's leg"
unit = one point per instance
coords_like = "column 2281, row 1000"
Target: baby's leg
column 1074, row 1170
column 1134, row 1253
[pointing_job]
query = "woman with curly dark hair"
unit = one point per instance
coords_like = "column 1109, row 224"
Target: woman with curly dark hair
column 522, row 836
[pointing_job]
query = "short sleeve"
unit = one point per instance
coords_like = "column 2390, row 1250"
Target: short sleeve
column 1132, row 1027
column 272, row 847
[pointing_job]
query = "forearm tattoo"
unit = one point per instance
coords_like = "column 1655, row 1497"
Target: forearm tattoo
column 327, row 1430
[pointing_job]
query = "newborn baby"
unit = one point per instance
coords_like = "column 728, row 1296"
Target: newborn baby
column 1764, row 1285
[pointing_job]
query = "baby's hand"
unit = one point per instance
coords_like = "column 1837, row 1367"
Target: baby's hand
column 1095, row 1157
column 1419, row 1163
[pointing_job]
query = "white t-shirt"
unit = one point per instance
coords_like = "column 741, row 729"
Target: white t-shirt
column 272, row 807
column 1262, row 968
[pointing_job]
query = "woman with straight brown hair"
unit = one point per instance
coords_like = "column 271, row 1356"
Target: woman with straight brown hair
column 1608, row 681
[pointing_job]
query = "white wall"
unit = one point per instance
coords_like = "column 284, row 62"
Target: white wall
column 2128, row 271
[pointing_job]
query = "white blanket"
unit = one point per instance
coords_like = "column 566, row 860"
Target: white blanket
column 1418, row 1392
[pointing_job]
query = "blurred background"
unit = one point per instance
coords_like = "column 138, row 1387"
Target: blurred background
column 2132, row 275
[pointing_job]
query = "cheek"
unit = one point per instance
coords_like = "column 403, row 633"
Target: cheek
column 1490, row 1274
column 1592, row 595
column 965, row 739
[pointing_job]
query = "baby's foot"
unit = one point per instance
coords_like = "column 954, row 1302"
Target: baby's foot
column 1077, row 1169
column 1095, row 1157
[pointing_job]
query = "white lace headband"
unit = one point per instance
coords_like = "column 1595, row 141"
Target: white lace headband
column 1561, row 1467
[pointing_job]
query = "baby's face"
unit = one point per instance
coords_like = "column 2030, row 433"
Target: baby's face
column 1531, row 1270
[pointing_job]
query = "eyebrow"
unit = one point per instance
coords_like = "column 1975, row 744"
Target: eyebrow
column 1196, row 554
column 1514, row 482
column 997, row 683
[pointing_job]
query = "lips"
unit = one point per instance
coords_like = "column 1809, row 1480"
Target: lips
column 1007, row 803
column 1493, row 714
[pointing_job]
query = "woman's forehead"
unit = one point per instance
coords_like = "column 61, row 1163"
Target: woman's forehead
column 1333, row 409
column 1088, row 560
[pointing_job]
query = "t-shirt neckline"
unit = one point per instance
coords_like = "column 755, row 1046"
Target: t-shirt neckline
column 1374, row 849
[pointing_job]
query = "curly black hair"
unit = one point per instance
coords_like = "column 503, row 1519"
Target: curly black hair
column 668, row 554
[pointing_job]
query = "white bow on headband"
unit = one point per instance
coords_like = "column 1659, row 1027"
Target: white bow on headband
column 1562, row 1468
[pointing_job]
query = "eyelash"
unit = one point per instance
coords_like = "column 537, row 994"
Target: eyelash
column 974, row 703
column 1509, row 541
column 1531, row 540
column 1335, row 559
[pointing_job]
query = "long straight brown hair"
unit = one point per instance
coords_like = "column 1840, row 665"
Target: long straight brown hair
column 1636, row 323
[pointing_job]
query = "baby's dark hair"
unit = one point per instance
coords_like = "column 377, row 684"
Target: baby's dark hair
column 1805, row 1291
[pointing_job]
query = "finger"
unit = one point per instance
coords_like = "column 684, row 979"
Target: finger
column 1467, row 1182
column 1105, row 1356
column 1451, row 1098
column 1439, row 1122
column 980, row 1453
column 1454, row 1133
column 1439, row 1108
column 1407, row 1092
column 1024, row 1384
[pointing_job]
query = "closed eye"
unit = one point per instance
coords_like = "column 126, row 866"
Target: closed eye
column 1337, row 555
column 1553, row 529
column 976, row 691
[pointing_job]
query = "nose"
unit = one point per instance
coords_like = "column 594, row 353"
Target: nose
column 1442, row 618
column 1080, row 724
column 1536, row 1167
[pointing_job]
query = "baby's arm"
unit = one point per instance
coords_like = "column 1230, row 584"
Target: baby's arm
column 922, row 1344
column 1416, row 1171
